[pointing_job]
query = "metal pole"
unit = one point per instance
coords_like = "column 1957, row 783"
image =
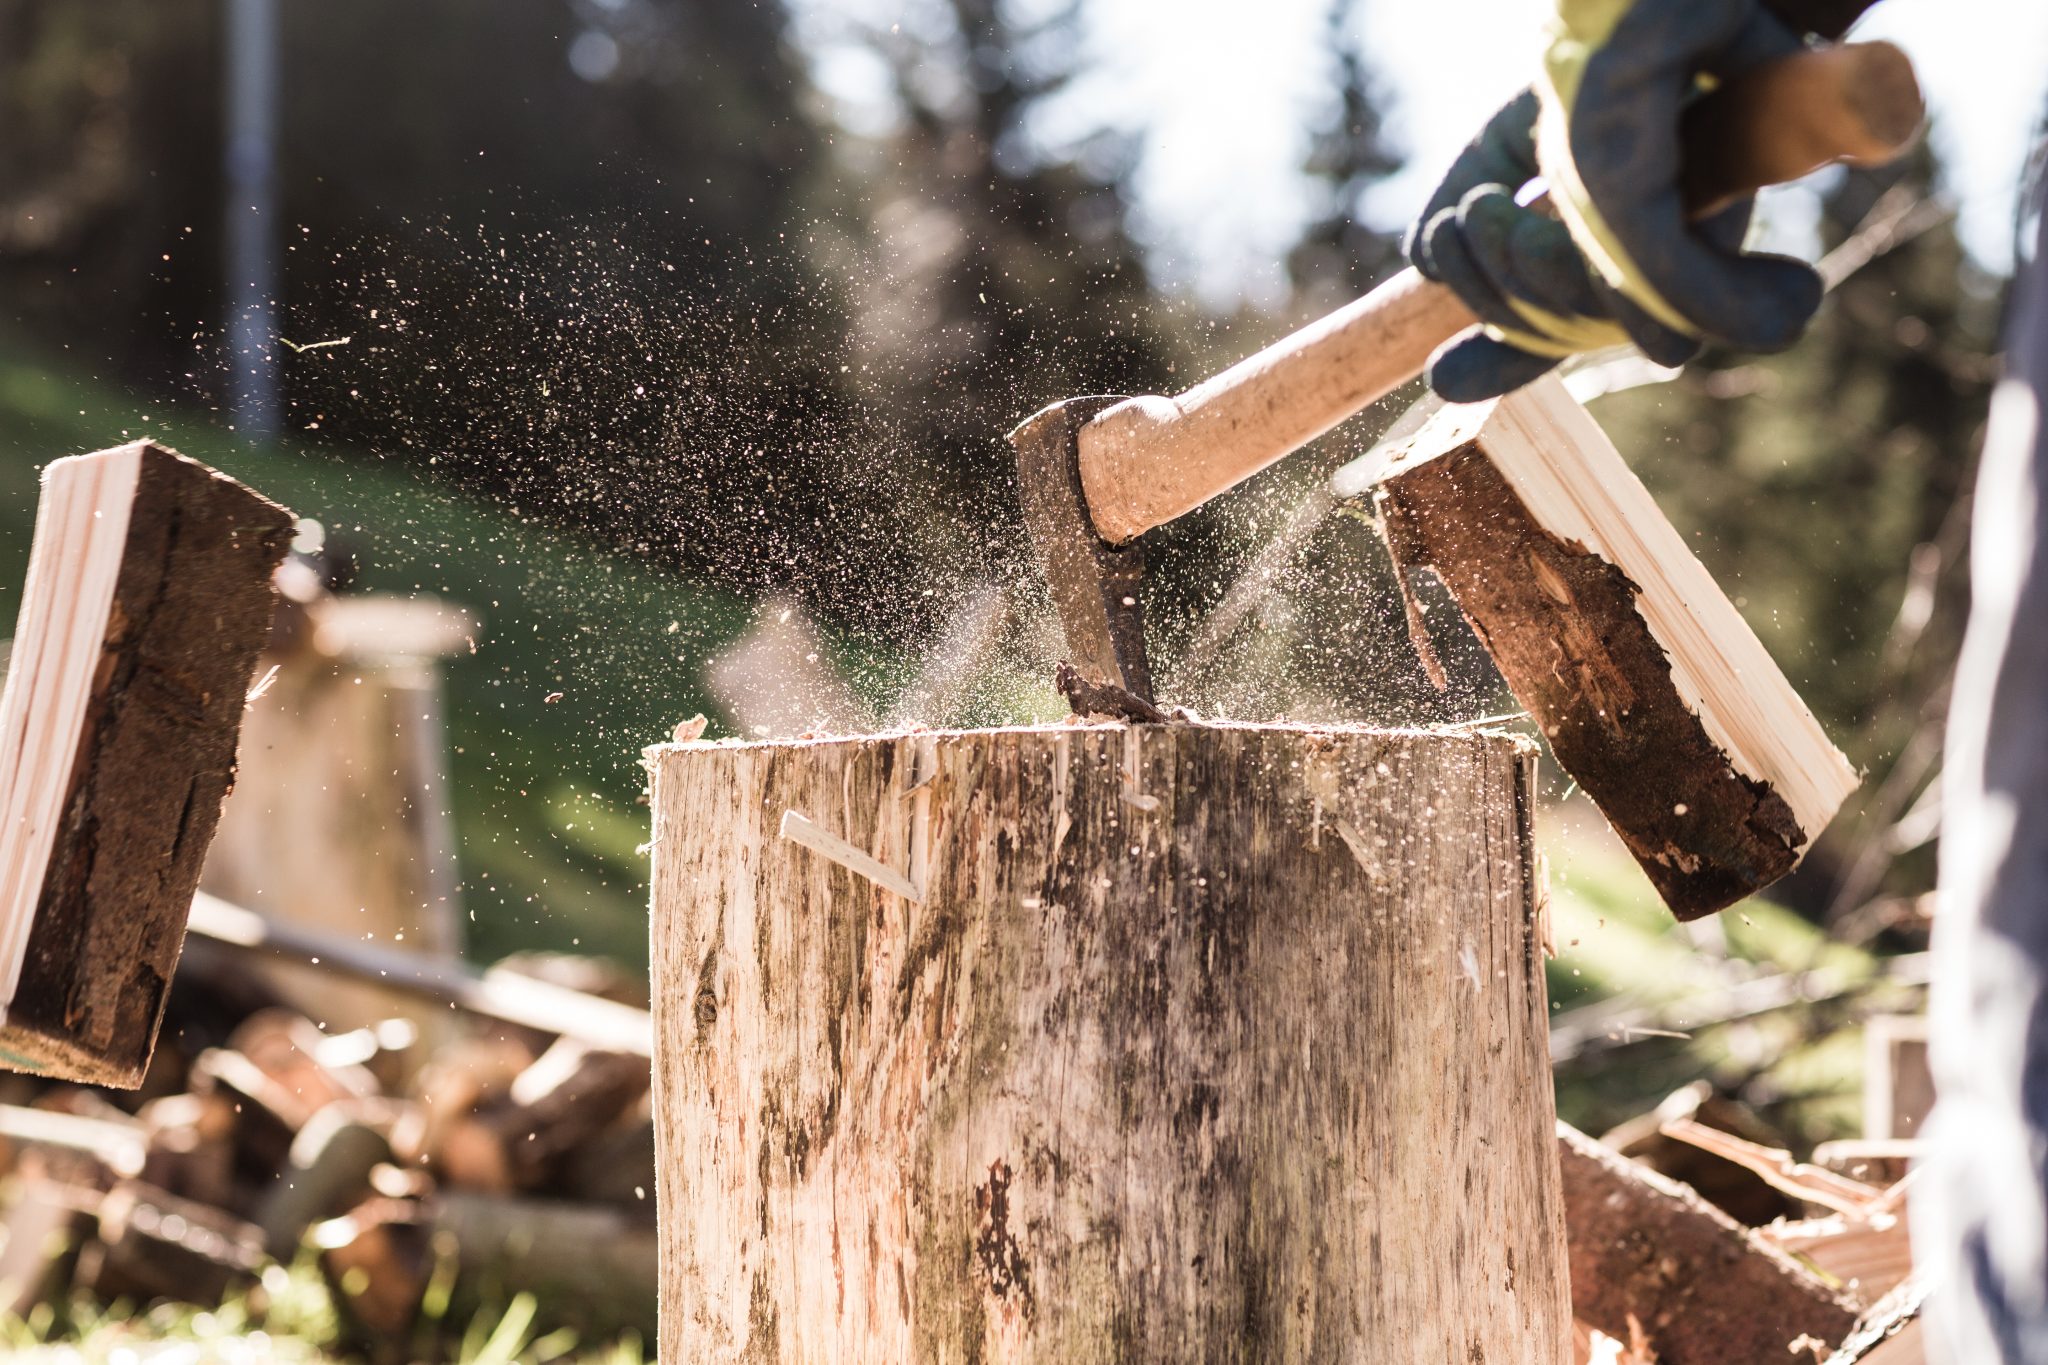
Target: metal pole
column 250, row 164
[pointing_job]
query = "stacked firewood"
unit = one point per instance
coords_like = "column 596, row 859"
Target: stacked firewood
column 505, row 1160
column 518, row 1156
column 1791, row 1260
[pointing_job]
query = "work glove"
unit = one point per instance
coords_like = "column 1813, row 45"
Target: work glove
column 1619, row 262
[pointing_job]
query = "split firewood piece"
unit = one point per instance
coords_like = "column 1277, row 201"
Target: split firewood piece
column 1653, row 692
column 189, row 1146
column 296, row 1053
column 377, row 1261
column 1734, row 1189
column 267, row 1115
column 1871, row 1254
column 328, row 1172
column 1881, row 1161
column 1890, row 1333
column 1700, row 1287
column 464, row 1077
column 570, row 1094
column 1802, row 1180
column 153, row 1245
column 87, row 1149
column 595, row 1268
column 148, row 598
column 273, row 1072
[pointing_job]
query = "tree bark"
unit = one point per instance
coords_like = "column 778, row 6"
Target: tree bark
column 1192, row 1043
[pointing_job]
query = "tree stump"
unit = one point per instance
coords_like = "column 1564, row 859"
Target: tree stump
column 1161, row 1043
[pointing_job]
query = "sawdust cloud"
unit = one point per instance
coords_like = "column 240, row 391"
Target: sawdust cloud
column 590, row 379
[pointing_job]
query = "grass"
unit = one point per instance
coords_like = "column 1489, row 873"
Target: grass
column 1803, row 1066
column 288, row 1318
column 545, row 793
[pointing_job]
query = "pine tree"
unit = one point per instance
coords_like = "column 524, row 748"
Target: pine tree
column 1339, row 257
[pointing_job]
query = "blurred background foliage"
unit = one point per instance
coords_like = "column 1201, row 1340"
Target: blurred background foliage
column 642, row 328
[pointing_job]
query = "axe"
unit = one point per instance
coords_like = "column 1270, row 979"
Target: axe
column 1096, row 473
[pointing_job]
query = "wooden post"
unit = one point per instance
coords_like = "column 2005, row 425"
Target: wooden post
column 1087, row 1043
column 340, row 821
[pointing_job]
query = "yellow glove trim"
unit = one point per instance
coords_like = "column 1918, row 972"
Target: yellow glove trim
column 1578, row 30
column 1555, row 334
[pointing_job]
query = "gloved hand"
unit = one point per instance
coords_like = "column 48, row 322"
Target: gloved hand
column 1620, row 262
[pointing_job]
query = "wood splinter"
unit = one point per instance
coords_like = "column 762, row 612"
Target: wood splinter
column 801, row 830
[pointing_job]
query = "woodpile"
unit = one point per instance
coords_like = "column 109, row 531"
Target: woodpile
column 423, row 1186
column 1660, row 1276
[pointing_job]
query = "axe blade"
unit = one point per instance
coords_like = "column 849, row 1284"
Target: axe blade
column 1096, row 586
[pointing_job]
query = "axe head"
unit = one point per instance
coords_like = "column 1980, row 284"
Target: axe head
column 1095, row 585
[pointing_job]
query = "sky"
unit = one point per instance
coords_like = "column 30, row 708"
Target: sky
column 1220, row 95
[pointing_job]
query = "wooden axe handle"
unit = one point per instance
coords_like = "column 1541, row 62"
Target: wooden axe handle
column 1149, row 460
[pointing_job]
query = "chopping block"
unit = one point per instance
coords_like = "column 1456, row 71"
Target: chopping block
column 1146, row 1043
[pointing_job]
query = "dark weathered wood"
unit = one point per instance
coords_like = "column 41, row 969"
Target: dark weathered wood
column 1703, row 1288
column 522, row 1139
column 1184, row 1043
column 592, row 1268
column 152, row 1245
column 190, row 611
column 1651, row 691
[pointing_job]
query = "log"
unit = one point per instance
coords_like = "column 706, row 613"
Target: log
column 148, row 598
column 591, row 1268
column 328, row 1172
column 1702, row 1288
column 1192, row 1042
column 1652, row 691
column 523, row 1138
column 152, row 1245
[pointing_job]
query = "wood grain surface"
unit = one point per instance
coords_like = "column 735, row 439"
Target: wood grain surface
column 1201, row 1043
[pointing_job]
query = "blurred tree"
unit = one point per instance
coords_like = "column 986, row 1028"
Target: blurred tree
column 109, row 166
column 1340, row 256
column 989, row 275
column 561, row 244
